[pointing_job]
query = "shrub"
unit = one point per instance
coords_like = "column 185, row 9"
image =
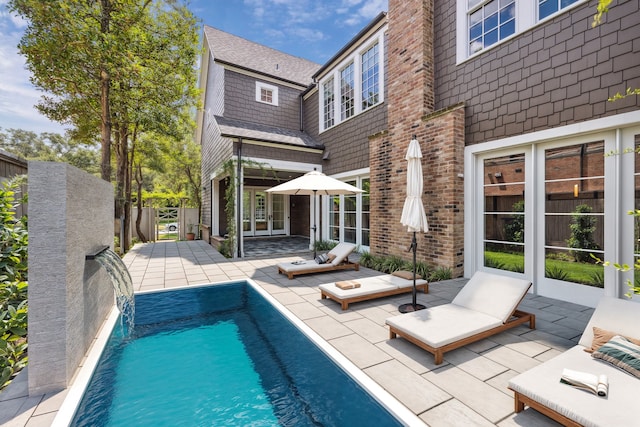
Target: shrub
column 13, row 286
column 582, row 228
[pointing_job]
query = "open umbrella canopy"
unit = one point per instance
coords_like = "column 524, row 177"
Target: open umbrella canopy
column 413, row 214
column 313, row 183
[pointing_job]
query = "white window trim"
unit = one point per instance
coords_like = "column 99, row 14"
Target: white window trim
column 618, row 133
column 274, row 93
column 356, row 58
column 526, row 19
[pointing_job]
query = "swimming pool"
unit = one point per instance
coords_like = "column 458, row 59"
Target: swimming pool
column 226, row 354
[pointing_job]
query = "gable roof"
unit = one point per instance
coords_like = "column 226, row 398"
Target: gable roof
column 233, row 50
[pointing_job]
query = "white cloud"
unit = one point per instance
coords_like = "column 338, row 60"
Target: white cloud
column 17, row 95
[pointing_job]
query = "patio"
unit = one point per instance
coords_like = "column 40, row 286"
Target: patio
column 469, row 388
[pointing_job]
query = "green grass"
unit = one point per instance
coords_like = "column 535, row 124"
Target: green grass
column 578, row 272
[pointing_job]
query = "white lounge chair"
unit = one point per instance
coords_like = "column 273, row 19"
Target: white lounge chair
column 485, row 306
column 341, row 262
column 540, row 387
column 371, row 288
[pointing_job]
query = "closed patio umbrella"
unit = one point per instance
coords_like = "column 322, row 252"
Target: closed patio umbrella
column 413, row 214
column 314, row 183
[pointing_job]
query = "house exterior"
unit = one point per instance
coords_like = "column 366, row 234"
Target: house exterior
column 523, row 165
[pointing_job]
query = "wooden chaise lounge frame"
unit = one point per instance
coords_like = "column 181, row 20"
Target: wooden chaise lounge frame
column 345, row 265
column 518, row 318
column 479, row 295
column 345, row 301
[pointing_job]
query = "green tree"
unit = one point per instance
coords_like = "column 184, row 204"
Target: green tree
column 582, row 228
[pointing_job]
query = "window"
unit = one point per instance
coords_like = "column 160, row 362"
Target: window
column 354, row 85
column 348, row 215
column 574, row 213
column 347, row 106
column 483, row 24
column 267, row 94
column 328, row 107
column 364, row 227
column 504, row 216
column 492, row 21
column 549, row 7
column 370, row 77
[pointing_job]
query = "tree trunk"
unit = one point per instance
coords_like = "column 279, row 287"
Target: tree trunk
column 105, row 82
column 139, row 182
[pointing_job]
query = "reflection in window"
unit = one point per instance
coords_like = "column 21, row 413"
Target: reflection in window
column 350, row 216
column 574, row 213
column 334, row 218
column 490, row 23
column 328, row 107
column 549, row 7
column 504, row 216
column 370, row 77
column 365, row 213
column 347, row 105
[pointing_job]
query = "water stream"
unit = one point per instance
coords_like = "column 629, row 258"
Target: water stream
column 122, row 284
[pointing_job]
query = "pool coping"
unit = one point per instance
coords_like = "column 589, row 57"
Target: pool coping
column 68, row 409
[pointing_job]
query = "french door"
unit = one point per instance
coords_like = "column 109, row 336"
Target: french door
column 263, row 214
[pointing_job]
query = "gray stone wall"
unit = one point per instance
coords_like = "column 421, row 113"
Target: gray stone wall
column 557, row 73
column 70, row 215
column 240, row 103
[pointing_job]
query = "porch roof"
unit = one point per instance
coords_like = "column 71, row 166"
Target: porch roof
column 232, row 128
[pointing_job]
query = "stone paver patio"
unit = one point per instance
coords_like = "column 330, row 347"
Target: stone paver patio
column 468, row 389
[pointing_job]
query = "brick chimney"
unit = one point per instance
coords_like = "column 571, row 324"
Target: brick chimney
column 410, row 102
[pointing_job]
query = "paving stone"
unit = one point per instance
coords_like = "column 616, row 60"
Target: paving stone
column 472, row 392
column 328, row 328
column 360, row 351
column 452, row 413
column 304, row 310
column 368, row 329
column 511, row 359
column 415, row 392
column 474, row 364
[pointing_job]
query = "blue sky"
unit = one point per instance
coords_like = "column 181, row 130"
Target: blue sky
column 313, row 30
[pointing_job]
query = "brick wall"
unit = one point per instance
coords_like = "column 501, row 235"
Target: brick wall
column 559, row 72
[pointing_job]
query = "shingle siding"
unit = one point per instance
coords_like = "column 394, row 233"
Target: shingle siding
column 240, row 103
column 557, row 73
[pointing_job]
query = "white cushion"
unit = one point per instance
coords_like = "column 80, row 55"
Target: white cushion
column 366, row 288
column 542, row 384
column 304, row 266
column 615, row 315
column 403, row 283
column 443, row 324
column 492, row 294
column 342, row 250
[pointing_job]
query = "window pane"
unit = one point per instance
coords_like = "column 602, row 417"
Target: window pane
column 328, row 104
column 491, row 22
column 491, row 38
column 364, row 219
column 546, row 8
column 370, row 86
column 504, row 217
column 574, row 213
column 346, row 92
column 507, row 29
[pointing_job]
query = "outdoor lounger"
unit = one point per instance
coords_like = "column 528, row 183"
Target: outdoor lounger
column 540, row 387
column 371, row 288
column 340, row 262
column 485, row 306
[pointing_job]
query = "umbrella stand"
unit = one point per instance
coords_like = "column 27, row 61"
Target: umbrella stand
column 413, row 306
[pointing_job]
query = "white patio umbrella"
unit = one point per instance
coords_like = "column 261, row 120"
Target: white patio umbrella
column 314, row 183
column 413, row 215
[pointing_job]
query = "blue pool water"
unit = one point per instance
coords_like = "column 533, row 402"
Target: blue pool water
column 220, row 355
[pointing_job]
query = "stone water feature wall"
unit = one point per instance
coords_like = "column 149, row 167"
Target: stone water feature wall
column 70, row 215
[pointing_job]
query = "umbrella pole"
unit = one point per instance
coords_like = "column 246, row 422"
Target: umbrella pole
column 314, row 223
column 413, row 306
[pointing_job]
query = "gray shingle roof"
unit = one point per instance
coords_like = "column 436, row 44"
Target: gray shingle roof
column 253, row 56
column 239, row 128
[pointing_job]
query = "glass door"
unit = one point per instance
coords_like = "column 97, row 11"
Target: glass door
column 278, row 214
column 260, row 213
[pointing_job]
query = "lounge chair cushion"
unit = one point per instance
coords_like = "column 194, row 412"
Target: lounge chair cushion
column 615, row 316
column 494, row 295
column 542, row 384
column 305, row 265
column 370, row 286
column 443, row 324
column 342, row 250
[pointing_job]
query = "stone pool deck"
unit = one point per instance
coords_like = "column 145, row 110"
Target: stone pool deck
column 468, row 389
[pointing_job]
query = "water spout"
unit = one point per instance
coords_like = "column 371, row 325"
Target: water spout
column 121, row 281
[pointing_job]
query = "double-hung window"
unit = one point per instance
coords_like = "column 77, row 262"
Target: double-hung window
column 482, row 24
column 354, row 85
